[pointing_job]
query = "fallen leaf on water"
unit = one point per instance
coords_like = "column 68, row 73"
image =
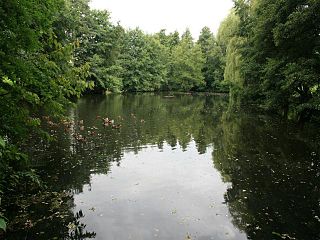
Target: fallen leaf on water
column 188, row 237
column 71, row 226
column 283, row 236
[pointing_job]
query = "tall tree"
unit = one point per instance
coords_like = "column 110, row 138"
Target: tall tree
column 213, row 66
column 281, row 58
column 144, row 62
column 174, row 39
column 103, row 49
column 187, row 63
column 37, row 72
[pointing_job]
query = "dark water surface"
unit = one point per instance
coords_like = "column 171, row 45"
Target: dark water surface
column 178, row 167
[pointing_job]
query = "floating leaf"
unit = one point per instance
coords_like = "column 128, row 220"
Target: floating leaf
column 188, row 237
column 283, row 236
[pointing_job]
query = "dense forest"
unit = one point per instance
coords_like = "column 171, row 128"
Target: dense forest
column 266, row 54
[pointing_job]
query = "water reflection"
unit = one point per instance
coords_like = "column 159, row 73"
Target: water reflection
column 177, row 168
column 275, row 176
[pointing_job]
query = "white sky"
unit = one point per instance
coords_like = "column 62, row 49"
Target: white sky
column 153, row 15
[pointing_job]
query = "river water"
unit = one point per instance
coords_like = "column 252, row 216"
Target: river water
column 174, row 167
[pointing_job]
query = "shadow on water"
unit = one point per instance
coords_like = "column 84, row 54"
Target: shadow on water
column 271, row 173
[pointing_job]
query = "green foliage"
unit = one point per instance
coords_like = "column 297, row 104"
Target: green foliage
column 232, row 72
column 173, row 39
column 143, row 61
column 214, row 59
column 101, row 49
column 186, row 65
column 279, row 56
column 36, row 69
column 37, row 73
column 134, row 61
column 228, row 29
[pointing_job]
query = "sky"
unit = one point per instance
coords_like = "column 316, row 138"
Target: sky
column 153, row 15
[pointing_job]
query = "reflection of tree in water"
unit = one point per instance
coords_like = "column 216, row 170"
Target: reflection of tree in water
column 146, row 119
column 274, row 172
column 152, row 120
column 47, row 215
column 275, row 178
column 77, row 229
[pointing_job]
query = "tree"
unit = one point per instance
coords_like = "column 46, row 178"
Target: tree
column 290, row 71
column 99, row 43
column 213, row 67
column 144, row 62
column 103, row 49
column 228, row 29
column 173, row 39
column 187, row 63
column 37, row 73
column 280, row 56
column 36, row 69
